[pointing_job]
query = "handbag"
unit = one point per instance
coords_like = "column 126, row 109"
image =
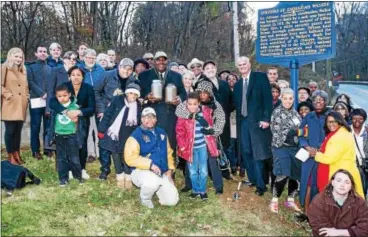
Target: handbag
column 14, row 176
column 223, row 161
column 364, row 166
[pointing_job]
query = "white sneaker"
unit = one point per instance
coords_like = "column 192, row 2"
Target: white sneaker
column 85, row 175
column 147, row 203
column 70, row 175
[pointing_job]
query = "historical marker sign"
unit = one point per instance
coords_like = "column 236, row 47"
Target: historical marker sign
column 304, row 31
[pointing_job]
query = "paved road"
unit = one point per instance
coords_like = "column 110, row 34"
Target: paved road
column 358, row 94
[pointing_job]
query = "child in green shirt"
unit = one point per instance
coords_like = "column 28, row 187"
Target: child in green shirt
column 67, row 150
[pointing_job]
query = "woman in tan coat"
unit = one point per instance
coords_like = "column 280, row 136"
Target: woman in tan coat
column 14, row 101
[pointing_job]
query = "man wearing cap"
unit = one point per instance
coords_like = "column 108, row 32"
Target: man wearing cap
column 112, row 83
column 148, row 152
column 166, row 117
column 149, row 58
column 252, row 99
column 196, row 66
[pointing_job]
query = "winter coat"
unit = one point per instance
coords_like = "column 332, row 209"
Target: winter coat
column 340, row 154
column 92, row 76
column 259, row 107
column 108, row 119
column 85, row 100
column 166, row 117
column 316, row 135
column 107, row 87
column 146, row 147
column 217, row 115
column 324, row 212
column 185, row 130
column 58, row 76
column 14, row 94
column 38, row 76
column 52, row 62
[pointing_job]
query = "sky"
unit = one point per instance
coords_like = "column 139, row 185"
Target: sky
column 259, row 5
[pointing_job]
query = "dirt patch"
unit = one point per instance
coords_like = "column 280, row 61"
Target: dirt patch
column 249, row 202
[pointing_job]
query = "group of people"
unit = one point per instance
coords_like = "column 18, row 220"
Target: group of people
column 151, row 117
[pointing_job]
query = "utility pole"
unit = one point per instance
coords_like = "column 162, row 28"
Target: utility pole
column 235, row 29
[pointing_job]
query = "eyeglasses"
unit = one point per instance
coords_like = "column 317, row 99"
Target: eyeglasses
column 91, row 58
column 71, row 58
column 332, row 122
column 148, row 59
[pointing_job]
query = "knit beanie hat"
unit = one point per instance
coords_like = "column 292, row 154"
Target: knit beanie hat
column 133, row 88
column 205, row 86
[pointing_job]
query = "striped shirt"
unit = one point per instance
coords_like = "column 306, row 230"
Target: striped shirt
column 198, row 136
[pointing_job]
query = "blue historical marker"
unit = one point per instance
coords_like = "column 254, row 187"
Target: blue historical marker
column 293, row 34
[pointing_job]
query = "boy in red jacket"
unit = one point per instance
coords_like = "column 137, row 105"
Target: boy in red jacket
column 193, row 139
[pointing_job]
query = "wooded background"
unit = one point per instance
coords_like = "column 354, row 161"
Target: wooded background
column 182, row 29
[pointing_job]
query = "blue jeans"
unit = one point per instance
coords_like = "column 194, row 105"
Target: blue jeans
column 67, row 153
column 232, row 153
column 37, row 115
column 105, row 160
column 198, row 170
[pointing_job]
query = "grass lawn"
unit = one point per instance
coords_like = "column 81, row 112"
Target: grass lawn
column 101, row 209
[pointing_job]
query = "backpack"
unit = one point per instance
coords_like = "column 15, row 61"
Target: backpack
column 14, row 176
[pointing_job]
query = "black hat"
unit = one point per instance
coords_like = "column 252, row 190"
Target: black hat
column 208, row 62
column 305, row 88
column 306, row 104
column 140, row 60
column 223, row 71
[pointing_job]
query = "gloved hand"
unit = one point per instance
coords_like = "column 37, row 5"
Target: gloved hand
column 100, row 135
column 202, row 121
column 192, row 116
column 209, row 131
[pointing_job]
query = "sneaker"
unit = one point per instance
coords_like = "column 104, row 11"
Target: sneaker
column 81, row 181
column 274, row 206
column 194, row 195
column 71, row 175
column 292, row 205
column 103, row 175
column 63, row 183
column 147, row 203
column 85, row 175
column 204, row 196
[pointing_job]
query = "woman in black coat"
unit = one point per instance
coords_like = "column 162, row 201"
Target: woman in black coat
column 85, row 96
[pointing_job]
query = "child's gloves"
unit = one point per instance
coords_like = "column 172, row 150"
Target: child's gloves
column 209, row 131
column 202, row 121
column 100, row 135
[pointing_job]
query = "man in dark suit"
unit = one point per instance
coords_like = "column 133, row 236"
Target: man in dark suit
column 252, row 99
column 166, row 117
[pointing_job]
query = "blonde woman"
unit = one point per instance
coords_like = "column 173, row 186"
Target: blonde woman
column 14, row 101
column 54, row 59
column 188, row 77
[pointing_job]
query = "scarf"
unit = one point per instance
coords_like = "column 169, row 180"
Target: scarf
column 323, row 170
column 114, row 129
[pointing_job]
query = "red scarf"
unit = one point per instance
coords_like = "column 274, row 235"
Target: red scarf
column 323, row 170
